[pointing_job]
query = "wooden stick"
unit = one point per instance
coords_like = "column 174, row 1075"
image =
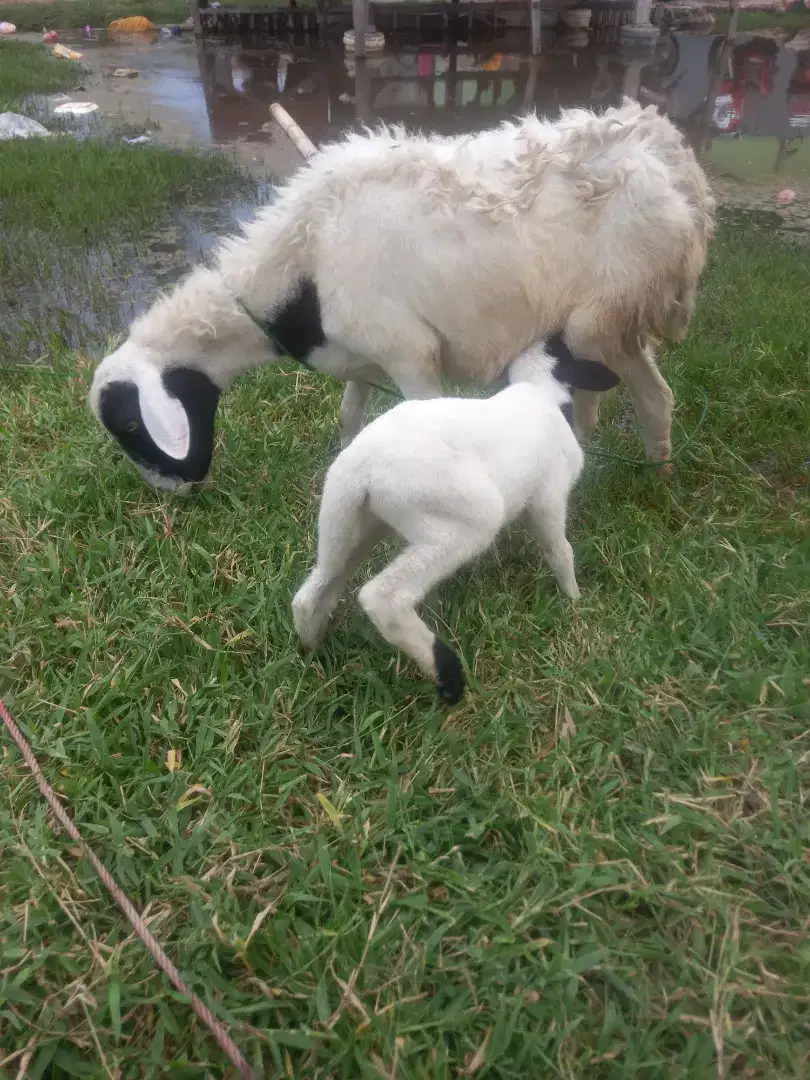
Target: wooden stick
column 302, row 143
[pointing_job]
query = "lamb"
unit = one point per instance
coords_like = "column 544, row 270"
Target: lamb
column 446, row 475
column 429, row 257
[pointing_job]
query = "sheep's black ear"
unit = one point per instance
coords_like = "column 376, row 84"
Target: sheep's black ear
column 590, row 375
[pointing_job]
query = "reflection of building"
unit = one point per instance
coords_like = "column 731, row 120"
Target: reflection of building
column 704, row 83
column 445, row 90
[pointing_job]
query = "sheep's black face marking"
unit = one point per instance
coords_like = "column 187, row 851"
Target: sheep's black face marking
column 449, row 672
column 120, row 412
column 568, row 412
column 579, row 374
column 297, row 328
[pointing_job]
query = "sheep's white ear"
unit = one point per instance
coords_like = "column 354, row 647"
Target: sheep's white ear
column 165, row 419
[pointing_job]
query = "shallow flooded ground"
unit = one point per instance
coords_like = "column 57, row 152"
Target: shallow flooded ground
column 748, row 109
column 744, row 106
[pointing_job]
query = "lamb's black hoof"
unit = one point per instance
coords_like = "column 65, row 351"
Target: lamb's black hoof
column 449, row 673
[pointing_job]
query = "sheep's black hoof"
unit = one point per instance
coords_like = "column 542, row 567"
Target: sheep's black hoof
column 449, row 673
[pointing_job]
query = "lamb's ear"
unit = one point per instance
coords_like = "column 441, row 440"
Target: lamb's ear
column 165, row 419
column 590, row 375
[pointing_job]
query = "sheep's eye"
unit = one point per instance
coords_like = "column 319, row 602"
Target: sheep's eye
column 132, row 426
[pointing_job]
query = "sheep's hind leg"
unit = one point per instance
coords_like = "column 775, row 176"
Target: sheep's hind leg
column 315, row 601
column 389, row 600
column 353, row 410
column 545, row 517
column 635, row 365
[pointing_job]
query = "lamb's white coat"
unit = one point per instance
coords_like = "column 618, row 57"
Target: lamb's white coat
column 449, row 256
column 446, row 476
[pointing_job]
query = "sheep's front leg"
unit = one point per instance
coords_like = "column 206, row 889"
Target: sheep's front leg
column 353, row 411
column 653, row 400
column 586, row 412
column 636, row 367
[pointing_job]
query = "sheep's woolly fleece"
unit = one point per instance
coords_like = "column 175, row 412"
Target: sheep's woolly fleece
column 495, row 177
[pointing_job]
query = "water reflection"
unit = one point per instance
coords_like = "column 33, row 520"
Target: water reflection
column 713, row 87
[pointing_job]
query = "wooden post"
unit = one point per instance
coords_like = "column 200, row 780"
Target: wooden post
column 733, row 19
column 537, row 30
column 195, row 14
column 302, row 143
column 631, row 83
column 531, row 83
column 360, row 24
column 641, row 12
column 362, row 92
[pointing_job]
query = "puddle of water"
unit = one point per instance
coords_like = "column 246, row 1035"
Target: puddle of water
column 744, row 106
column 755, row 92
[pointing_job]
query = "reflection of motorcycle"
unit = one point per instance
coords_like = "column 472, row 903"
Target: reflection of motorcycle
column 798, row 95
column 752, row 66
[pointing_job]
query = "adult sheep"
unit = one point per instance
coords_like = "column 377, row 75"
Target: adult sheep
column 424, row 257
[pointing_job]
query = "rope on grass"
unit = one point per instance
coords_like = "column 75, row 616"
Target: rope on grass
column 217, row 1029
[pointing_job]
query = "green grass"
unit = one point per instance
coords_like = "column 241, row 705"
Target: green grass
column 67, row 14
column 765, row 20
column 26, row 69
column 81, row 219
column 754, row 158
column 595, row 867
column 86, row 190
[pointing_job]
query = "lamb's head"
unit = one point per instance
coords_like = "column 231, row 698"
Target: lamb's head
column 575, row 373
column 161, row 415
column 552, row 364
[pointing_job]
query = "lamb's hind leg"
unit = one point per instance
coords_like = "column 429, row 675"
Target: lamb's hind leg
column 341, row 550
column 389, row 599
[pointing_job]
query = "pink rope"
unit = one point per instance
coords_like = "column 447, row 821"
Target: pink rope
column 217, row 1029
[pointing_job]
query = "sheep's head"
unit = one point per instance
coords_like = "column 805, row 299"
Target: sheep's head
column 161, row 417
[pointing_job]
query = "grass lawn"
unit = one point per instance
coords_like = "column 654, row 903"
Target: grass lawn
column 68, row 14
column 596, row 867
column 764, row 20
column 76, row 214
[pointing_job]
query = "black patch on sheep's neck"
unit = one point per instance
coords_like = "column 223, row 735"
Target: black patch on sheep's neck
column 296, row 329
column 449, row 672
column 120, row 412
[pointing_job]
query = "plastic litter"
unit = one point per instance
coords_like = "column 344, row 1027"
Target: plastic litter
column 134, row 24
column 787, row 195
column 125, row 73
column 66, row 53
column 49, row 36
column 138, row 140
column 88, row 32
column 75, row 108
column 14, row 126
column 7, row 28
